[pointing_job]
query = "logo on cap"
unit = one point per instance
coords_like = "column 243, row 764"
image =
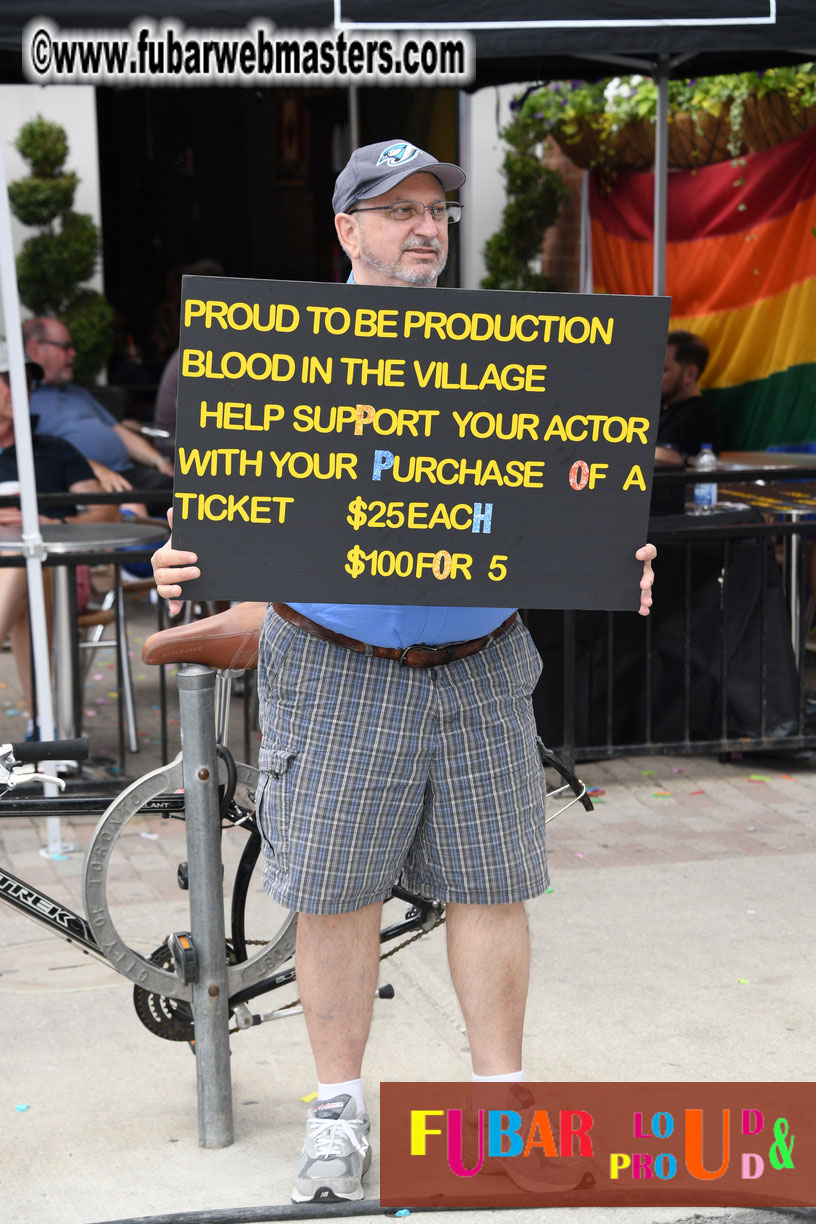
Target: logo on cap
column 397, row 155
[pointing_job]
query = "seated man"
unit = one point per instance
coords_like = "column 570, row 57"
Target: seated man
column 120, row 458
column 59, row 468
column 686, row 420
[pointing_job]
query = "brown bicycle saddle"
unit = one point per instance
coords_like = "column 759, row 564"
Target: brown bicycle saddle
column 228, row 639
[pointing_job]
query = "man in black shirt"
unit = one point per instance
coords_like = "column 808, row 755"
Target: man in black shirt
column 59, row 468
column 686, row 421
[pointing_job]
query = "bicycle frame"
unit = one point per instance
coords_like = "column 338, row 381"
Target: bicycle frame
column 157, row 981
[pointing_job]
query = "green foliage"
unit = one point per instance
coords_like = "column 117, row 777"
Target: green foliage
column 534, row 195
column 607, row 106
column 43, row 145
column 797, row 83
column 89, row 319
column 36, row 201
column 53, row 264
column 50, row 267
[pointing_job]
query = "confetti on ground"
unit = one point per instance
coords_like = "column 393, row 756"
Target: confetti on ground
column 596, row 801
column 98, row 677
column 150, row 836
column 12, row 712
column 402, row 1213
column 578, row 854
column 743, row 982
column 2, row 685
column 758, row 778
column 788, row 777
column 699, row 792
column 549, row 890
column 676, row 769
column 596, row 790
column 648, row 773
column 22, row 1108
column 661, row 794
column 311, row 1096
column 113, row 693
column 91, row 713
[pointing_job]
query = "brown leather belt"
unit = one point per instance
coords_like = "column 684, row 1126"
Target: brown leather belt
column 411, row 656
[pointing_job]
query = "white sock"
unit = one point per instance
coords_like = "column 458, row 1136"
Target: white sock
column 352, row 1088
column 512, row 1077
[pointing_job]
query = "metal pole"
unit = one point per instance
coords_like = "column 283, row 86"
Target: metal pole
column 32, row 540
column 196, row 685
column 661, row 176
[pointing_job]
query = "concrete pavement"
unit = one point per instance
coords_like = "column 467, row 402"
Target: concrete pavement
column 674, row 945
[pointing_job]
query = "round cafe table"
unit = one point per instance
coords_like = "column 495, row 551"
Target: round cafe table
column 67, row 545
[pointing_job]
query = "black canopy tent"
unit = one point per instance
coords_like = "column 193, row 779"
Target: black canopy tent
column 540, row 40
column 531, row 40
column 523, row 40
column 519, row 40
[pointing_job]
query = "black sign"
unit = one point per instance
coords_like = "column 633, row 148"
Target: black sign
column 352, row 444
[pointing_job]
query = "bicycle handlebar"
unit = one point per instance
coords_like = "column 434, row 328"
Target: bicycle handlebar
column 50, row 750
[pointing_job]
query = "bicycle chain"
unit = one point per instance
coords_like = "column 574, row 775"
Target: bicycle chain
column 384, row 956
column 172, row 1020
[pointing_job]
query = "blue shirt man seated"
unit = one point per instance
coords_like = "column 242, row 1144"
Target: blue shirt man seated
column 381, row 762
column 58, row 468
column 120, row 458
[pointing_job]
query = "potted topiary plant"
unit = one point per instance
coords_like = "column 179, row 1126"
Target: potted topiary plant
column 53, row 264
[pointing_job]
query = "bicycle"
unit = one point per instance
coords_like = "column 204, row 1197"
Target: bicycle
column 163, row 982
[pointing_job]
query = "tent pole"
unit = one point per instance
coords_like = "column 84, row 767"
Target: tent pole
column 32, row 540
column 661, row 175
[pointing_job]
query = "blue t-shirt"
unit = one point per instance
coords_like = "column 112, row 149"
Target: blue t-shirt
column 71, row 412
column 400, row 625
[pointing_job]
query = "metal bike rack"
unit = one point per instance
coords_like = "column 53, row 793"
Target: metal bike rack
column 196, row 769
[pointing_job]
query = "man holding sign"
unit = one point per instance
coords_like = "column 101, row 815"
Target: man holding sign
column 397, row 741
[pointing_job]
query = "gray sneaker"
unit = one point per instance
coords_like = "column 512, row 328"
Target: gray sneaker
column 336, row 1154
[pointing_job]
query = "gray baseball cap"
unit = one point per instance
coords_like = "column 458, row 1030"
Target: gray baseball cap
column 376, row 168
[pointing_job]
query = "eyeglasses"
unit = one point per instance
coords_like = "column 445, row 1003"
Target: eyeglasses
column 412, row 210
column 65, row 345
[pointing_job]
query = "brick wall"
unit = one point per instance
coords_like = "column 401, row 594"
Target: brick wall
column 561, row 248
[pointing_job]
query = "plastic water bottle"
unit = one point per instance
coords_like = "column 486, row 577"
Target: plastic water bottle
column 705, row 495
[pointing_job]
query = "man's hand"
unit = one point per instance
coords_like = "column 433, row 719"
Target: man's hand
column 646, row 554
column 111, row 482
column 10, row 516
column 141, row 451
column 171, row 567
column 98, row 513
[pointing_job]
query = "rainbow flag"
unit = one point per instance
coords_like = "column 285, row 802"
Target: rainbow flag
column 741, row 271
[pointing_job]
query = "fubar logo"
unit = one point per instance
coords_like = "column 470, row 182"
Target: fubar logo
column 397, row 155
column 597, row 1144
column 507, row 1135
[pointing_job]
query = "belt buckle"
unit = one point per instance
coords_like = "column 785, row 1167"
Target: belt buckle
column 421, row 646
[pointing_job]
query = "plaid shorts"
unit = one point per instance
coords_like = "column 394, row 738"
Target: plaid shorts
column 373, row 772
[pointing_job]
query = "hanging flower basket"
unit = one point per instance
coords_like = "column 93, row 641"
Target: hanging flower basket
column 633, row 146
column 700, row 139
column 630, row 148
column 579, row 141
column 771, row 119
